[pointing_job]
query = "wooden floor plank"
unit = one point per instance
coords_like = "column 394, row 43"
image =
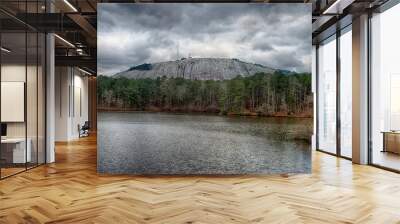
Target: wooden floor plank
column 70, row 191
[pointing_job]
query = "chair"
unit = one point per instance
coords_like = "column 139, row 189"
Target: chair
column 84, row 130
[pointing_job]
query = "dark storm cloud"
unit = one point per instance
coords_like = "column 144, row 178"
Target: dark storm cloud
column 275, row 35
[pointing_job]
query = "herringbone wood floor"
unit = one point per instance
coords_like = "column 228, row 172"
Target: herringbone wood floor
column 70, row 191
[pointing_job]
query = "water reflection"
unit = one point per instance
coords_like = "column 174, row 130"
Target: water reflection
column 161, row 143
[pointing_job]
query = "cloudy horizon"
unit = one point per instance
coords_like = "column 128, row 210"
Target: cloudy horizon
column 274, row 35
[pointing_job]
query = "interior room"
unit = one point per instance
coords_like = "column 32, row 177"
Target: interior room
column 25, row 66
column 50, row 98
column 22, row 103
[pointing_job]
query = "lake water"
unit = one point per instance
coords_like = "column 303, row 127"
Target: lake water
column 164, row 143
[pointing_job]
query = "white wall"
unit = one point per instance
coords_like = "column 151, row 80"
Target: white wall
column 81, row 82
column 33, row 126
column 71, row 87
column 79, row 115
column 13, row 101
column 62, row 82
column 16, row 73
column 13, row 72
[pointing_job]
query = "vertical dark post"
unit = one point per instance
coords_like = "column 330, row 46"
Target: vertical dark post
column 73, row 91
column 317, row 96
column 0, row 89
column 338, row 72
column 45, row 90
column 26, row 86
column 369, row 100
column 37, row 88
column 60, row 95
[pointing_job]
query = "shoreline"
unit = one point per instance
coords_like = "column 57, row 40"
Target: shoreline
column 245, row 114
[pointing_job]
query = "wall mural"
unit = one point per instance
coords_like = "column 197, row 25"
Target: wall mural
column 204, row 88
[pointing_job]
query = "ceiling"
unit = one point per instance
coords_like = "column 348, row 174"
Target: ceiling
column 332, row 15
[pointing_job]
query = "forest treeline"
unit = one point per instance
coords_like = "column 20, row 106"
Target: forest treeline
column 262, row 94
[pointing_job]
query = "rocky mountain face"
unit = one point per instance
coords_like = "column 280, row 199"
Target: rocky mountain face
column 196, row 68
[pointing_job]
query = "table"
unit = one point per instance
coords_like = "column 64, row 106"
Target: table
column 391, row 141
column 19, row 155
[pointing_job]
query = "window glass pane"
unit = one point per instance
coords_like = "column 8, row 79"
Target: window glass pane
column 385, row 89
column 32, row 86
column 327, row 96
column 346, row 93
column 14, row 153
column 31, row 97
column 23, row 89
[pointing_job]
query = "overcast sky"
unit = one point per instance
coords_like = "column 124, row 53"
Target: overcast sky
column 275, row 35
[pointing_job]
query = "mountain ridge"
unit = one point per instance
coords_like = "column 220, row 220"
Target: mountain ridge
column 196, row 68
